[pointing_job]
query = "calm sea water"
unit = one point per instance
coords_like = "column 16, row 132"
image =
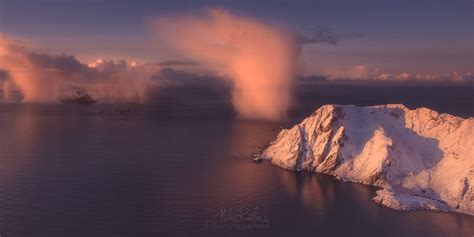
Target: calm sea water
column 181, row 166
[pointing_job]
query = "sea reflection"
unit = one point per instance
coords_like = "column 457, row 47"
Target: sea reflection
column 308, row 190
column 19, row 141
column 238, row 176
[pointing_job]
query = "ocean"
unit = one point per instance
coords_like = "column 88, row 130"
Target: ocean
column 181, row 165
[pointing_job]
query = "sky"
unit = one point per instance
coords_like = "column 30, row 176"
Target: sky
column 389, row 36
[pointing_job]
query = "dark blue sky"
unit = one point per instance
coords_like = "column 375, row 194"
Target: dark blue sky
column 432, row 36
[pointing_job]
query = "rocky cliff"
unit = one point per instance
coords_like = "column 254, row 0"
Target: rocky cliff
column 421, row 159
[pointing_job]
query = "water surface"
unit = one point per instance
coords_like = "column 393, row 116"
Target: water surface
column 168, row 168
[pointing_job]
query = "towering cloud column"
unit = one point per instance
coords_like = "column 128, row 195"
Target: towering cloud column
column 37, row 84
column 258, row 58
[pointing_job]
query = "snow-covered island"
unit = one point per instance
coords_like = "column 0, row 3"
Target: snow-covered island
column 421, row 159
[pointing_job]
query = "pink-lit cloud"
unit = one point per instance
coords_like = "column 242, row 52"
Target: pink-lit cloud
column 259, row 59
column 45, row 77
column 362, row 72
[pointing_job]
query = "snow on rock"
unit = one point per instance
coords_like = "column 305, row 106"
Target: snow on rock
column 420, row 159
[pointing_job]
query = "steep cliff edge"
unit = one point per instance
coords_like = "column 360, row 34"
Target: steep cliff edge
column 420, row 159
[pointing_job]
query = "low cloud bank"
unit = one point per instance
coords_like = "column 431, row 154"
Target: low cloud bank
column 46, row 77
column 361, row 72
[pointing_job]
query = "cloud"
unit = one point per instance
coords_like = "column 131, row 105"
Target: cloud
column 178, row 63
column 357, row 72
column 45, row 77
column 324, row 35
column 34, row 73
column 362, row 72
column 257, row 58
column 427, row 77
column 120, row 80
